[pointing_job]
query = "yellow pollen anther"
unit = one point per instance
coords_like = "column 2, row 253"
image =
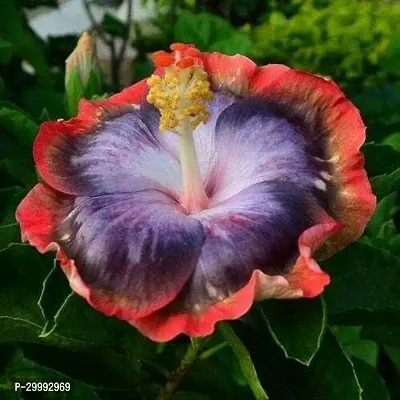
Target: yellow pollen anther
column 181, row 96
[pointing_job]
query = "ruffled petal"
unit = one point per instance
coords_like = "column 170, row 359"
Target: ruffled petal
column 306, row 273
column 264, row 76
column 167, row 323
column 39, row 214
column 229, row 73
column 133, row 252
column 334, row 131
column 95, row 110
column 125, row 153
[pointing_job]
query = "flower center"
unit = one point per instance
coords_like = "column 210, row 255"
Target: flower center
column 182, row 97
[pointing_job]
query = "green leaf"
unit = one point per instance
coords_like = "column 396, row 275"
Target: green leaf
column 393, row 140
column 10, row 198
column 394, row 354
column 395, row 245
column 330, row 376
column 306, row 317
column 387, row 334
column 385, row 184
column 380, row 159
column 191, row 396
column 390, row 59
column 14, row 276
column 5, row 51
column 237, row 43
column 386, row 233
column 114, row 26
column 74, row 91
column 94, row 84
column 36, row 309
column 244, row 359
column 46, row 307
column 55, row 295
column 17, row 133
column 142, row 69
column 372, row 384
column 21, row 370
column 26, row 44
column 380, row 110
column 362, row 277
column 349, row 337
column 366, row 350
column 220, row 29
column 9, row 234
column 226, row 380
column 17, row 172
column 191, row 28
column 18, row 124
column 383, row 213
column 35, row 100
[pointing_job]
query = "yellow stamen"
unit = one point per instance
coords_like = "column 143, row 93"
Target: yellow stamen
column 182, row 96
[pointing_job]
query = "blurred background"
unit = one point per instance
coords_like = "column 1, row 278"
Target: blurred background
column 355, row 42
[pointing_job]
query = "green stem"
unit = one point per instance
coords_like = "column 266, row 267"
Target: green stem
column 175, row 378
column 244, row 359
column 210, row 352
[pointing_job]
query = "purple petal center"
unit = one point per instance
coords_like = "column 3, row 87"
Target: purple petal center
column 128, row 234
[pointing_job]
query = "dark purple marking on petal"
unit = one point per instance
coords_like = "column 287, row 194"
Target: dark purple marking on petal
column 140, row 246
column 256, row 229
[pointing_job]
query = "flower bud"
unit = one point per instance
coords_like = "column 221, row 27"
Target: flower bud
column 83, row 74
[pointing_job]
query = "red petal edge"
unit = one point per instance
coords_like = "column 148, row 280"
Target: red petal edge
column 90, row 113
column 38, row 214
column 231, row 73
column 163, row 325
column 306, row 273
column 355, row 202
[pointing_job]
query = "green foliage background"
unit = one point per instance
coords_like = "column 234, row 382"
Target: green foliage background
column 342, row 346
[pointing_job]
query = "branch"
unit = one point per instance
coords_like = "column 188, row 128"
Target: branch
column 126, row 39
column 175, row 378
column 95, row 25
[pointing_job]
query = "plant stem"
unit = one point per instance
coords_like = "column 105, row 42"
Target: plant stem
column 210, row 352
column 173, row 10
column 175, row 378
column 126, row 39
column 114, row 67
column 244, row 359
column 116, row 59
column 95, row 25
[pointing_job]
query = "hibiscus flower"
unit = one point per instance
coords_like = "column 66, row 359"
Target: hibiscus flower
column 180, row 201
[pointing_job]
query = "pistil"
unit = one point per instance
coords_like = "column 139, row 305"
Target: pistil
column 182, row 95
column 194, row 197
